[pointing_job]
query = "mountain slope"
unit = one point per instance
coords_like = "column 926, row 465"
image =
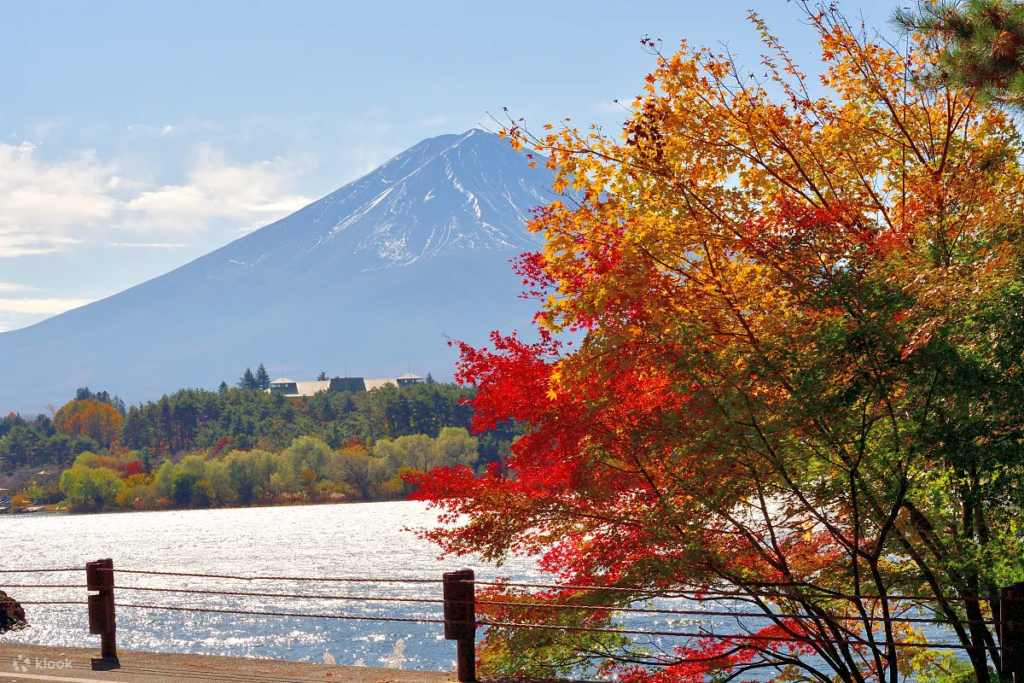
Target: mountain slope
column 371, row 278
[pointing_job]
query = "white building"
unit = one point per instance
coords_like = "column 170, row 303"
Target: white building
column 295, row 389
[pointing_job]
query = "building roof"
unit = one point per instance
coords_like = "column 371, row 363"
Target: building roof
column 311, row 388
column 315, row 387
column 301, row 388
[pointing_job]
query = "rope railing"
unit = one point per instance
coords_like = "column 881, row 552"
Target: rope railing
column 360, row 598
column 716, row 636
column 237, row 577
column 347, row 617
column 533, row 605
column 645, row 590
column 44, row 585
column 696, row 593
column 460, row 602
column 715, row 613
column 517, row 625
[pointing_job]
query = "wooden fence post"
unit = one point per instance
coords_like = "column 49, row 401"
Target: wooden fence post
column 99, row 577
column 460, row 619
column 1011, row 631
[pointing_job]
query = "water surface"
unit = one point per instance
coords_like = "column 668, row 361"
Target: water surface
column 360, row 540
column 369, row 540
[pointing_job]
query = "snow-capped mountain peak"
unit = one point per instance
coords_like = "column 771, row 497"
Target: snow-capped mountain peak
column 452, row 192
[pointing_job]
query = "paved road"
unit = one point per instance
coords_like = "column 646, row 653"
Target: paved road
column 34, row 664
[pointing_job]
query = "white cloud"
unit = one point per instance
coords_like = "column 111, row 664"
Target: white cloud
column 48, row 306
column 47, row 206
column 57, row 195
column 16, row 242
column 216, row 189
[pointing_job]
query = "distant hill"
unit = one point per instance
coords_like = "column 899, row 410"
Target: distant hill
column 372, row 277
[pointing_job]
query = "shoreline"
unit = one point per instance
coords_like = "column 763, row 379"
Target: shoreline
column 82, row 513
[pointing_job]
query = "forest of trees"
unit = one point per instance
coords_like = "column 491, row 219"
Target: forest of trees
column 307, row 471
column 88, row 423
column 114, row 455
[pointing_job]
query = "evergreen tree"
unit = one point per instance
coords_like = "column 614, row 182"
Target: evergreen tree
column 262, row 378
column 20, row 448
column 322, row 377
column 247, row 380
column 430, row 378
column 981, row 43
column 85, row 393
column 222, row 388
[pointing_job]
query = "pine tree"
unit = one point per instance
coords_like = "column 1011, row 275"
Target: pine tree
column 322, row 377
column 262, row 378
column 981, row 41
column 247, row 380
column 430, row 378
column 222, row 388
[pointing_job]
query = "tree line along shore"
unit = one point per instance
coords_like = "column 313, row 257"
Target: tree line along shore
column 240, row 446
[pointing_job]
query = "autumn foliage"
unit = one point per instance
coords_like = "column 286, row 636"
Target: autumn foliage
column 95, row 419
column 801, row 379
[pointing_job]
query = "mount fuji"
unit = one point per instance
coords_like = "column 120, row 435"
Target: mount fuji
column 371, row 278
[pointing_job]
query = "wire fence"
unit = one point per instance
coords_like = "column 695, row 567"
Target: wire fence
column 459, row 602
column 797, row 591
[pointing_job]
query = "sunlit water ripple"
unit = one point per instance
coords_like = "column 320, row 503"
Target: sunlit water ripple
column 364, row 540
column 361, row 540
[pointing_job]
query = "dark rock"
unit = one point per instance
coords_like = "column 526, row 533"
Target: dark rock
column 12, row 614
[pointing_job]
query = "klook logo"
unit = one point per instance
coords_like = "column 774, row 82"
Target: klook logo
column 22, row 664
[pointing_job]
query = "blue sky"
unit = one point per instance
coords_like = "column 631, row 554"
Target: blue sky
column 137, row 136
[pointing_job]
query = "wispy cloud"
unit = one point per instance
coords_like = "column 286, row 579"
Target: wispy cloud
column 161, row 131
column 16, row 242
column 47, row 306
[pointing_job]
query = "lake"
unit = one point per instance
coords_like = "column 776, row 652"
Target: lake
column 357, row 540
column 347, row 541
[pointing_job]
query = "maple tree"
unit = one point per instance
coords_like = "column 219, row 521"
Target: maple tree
column 799, row 383
column 98, row 420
